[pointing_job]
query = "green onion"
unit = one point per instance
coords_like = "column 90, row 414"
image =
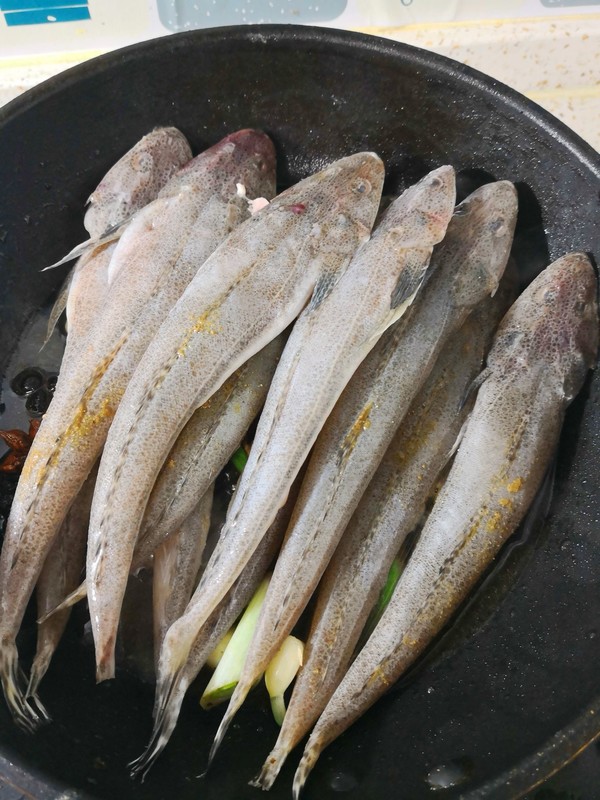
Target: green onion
column 217, row 654
column 385, row 595
column 227, row 674
column 239, row 459
column 281, row 672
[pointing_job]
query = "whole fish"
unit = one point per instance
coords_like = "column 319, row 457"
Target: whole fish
column 170, row 694
column 176, row 564
column 247, row 293
column 543, row 349
column 389, row 510
column 323, row 351
column 466, row 267
column 156, row 256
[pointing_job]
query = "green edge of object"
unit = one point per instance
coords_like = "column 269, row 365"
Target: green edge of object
column 226, row 675
column 239, row 459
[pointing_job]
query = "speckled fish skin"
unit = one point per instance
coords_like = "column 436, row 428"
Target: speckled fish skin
column 467, row 267
column 170, row 693
column 203, row 448
column 540, row 357
column 248, row 292
column 361, row 426
column 60, row 574
column 388, row 511
column 156, row 256
column 176, row 564
column 136, row 179
column 325, row 348
column 130, row 184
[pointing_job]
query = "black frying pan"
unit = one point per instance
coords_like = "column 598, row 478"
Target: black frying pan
column 509, row 694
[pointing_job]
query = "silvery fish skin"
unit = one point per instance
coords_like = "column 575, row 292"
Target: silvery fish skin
column 388, row 511
column 247, row 293
column 203, row 448
column 176, row 564
column 324, row 349
column 157, row 255
column 543, row 349
column 170, row 694
column 60, row 574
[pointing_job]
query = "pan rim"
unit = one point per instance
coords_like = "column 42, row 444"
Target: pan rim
column 567, row 742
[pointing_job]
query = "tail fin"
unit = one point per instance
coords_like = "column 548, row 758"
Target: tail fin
column 24, row 715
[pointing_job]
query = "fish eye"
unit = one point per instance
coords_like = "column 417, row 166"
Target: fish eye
column 361, row 187
column 549, row 297
column 436, row 182
column 580, row 306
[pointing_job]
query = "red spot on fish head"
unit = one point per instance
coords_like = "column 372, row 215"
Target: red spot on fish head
column 297, row 208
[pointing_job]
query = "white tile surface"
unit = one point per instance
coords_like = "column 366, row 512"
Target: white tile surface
column 555, row 63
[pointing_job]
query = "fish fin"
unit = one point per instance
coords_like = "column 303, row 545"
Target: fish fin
column 312, row 751
column 407, row 286
column 59, row 306
column 40, row 708
column 39, row 668
column 111, row 235
column 271, row 768
column 78, row 594
column 472, row 388
column 169, row 700
column 239, row 695
column 325, row 283
column 456, row 444
column 22, row 712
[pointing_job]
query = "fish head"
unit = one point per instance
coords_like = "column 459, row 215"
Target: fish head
column 568, row 328
column 255, row 160
column 348, row 193
column 420, row 216
column 487, row 218
column 240, row 166
column 554, row 323
column 136, row 179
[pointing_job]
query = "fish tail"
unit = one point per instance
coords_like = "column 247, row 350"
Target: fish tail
column 70, row 600
column 12, row 679
column 105, row 660
column 40, row 708
column 166, row 714
column 270, row 769
column 311, row 754
column 237, row 698
column 40, row 665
